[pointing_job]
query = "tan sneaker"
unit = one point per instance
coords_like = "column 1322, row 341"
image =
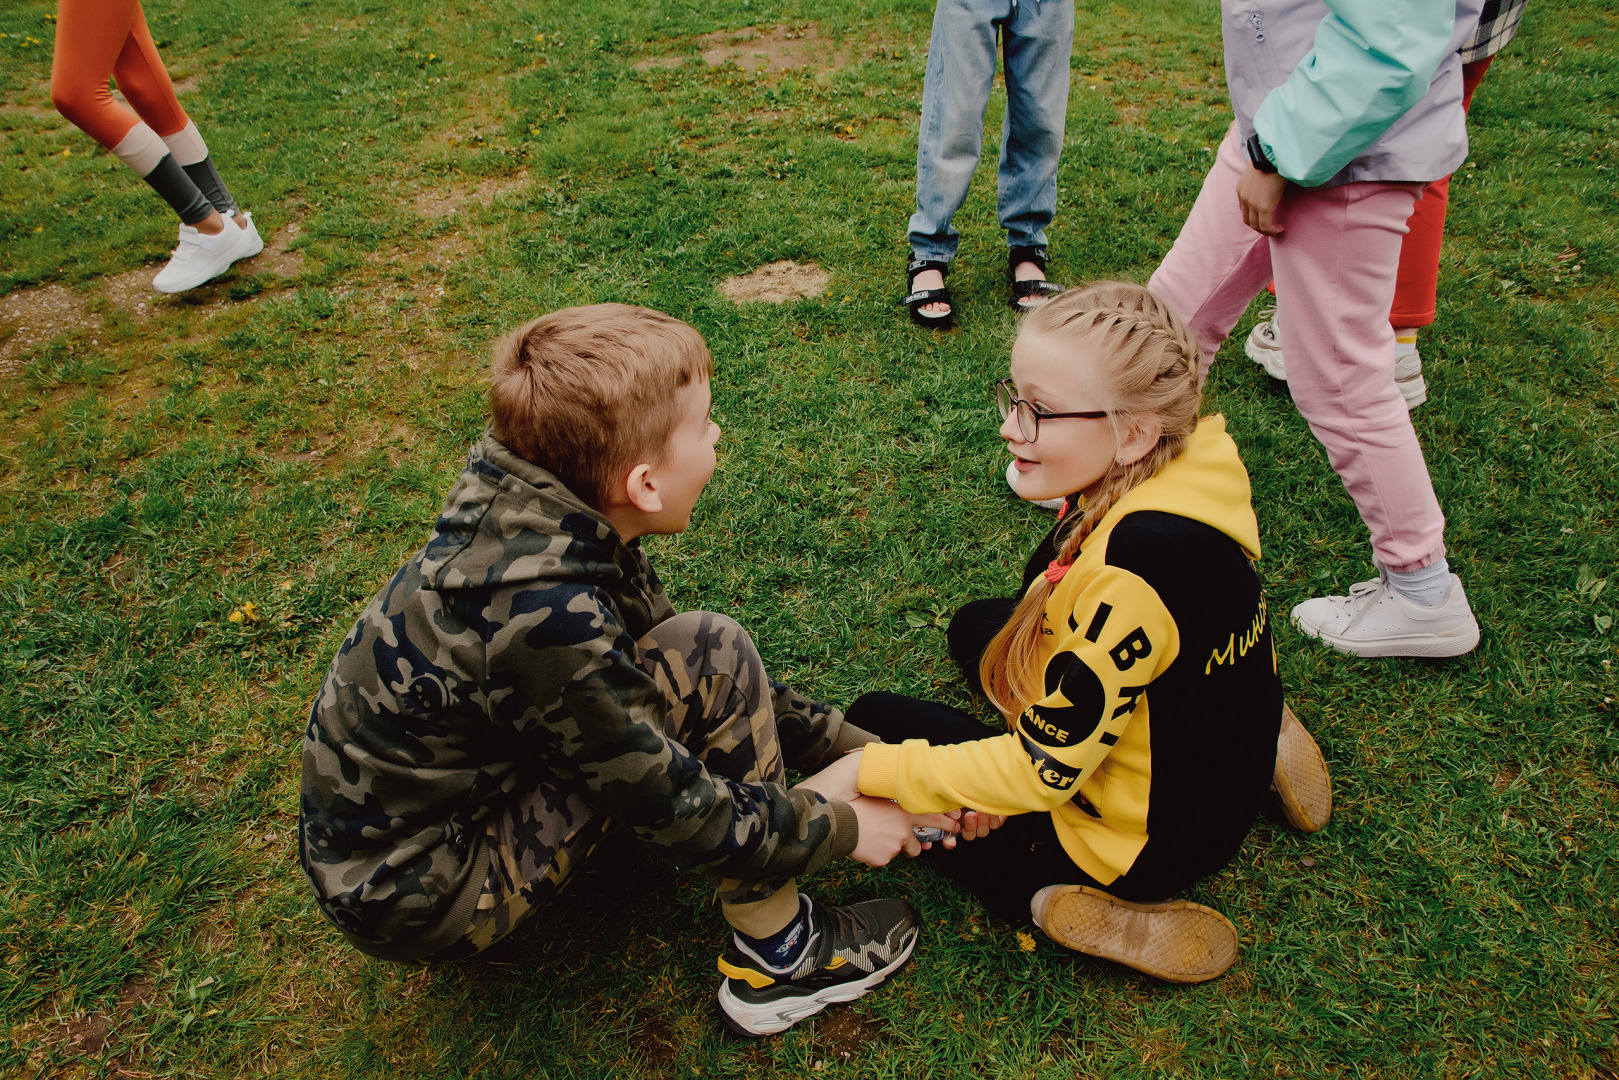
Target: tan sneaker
column 1301, row 782
column 1176, row 940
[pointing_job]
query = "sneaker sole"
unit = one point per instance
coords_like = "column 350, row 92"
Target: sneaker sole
column 1269, row 359
column 753, row 1021
column 1301, row 781
column 1176, row 941
column 1419, row 646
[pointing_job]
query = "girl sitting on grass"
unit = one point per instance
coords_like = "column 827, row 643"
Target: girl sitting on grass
column 1136, row 673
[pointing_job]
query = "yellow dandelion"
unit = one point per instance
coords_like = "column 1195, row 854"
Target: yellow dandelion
column 39, row 228
column 250, row 611
column 1025, row 942
column 235, row 616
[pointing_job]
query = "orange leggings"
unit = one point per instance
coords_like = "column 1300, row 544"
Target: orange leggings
column 100, row 38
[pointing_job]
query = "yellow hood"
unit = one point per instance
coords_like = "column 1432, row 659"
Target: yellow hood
column 1206, row 483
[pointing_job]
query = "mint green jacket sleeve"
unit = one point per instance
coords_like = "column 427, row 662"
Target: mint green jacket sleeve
column 1371, row 61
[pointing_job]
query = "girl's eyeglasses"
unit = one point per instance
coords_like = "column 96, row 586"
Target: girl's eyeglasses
column 1028, row 417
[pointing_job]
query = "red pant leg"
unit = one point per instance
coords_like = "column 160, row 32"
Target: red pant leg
column 1416, row 286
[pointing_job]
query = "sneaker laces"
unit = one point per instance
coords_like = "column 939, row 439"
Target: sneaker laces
column 1362, row 595
column 848, row 927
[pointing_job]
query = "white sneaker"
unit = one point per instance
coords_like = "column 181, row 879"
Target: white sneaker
column 1011, row 482
column 1408, row 373
column 251, row 242
column 1264, row 347
column 200, row 257
column 1375, row 620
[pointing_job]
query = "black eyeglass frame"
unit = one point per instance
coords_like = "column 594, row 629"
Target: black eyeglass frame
column 1028, row 417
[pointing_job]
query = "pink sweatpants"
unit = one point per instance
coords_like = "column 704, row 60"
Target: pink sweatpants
column 1334, row 267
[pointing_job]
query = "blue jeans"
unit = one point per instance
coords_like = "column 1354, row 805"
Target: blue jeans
column 1037, row 37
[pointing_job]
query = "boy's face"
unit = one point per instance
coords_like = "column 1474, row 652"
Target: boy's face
column 687, row 462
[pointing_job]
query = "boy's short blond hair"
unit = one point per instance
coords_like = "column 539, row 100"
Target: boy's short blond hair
column 587, row 392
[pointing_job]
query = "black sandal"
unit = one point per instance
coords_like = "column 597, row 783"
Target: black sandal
column 1034, row 287
column 918, row 298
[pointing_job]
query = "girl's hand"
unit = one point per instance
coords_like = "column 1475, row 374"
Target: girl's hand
column 1260, row 195
column 974, row 824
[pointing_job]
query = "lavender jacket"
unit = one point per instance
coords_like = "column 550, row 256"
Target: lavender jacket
column 1344, row 91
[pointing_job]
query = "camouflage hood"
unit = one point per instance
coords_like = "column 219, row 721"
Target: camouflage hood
column 508, row 523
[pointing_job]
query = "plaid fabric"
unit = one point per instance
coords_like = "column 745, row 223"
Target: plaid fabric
column 1496, row 25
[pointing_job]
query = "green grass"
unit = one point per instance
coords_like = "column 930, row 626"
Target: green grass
column 284, row 439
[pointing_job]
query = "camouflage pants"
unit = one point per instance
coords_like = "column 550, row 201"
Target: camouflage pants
column 723, row 707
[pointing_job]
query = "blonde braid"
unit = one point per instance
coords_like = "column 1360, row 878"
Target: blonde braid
column 1150, row 363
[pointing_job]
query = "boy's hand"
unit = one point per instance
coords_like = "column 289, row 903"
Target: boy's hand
column 885, row 829
column 1260, row 195
column 839, row 781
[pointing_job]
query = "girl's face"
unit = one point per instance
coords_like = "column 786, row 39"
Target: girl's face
column 1069, row 455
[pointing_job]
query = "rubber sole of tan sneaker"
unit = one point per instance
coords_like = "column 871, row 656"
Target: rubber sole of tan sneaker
column 1301, row 781
column 1176, row 940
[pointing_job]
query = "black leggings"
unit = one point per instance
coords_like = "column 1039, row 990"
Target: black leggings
column 1006, row 868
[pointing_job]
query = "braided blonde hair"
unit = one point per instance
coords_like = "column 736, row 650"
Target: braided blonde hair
column 1147, row 368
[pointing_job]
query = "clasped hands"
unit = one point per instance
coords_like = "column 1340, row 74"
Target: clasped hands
column 886, row 828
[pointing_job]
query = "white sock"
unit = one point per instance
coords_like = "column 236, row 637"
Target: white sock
column 1428, row 586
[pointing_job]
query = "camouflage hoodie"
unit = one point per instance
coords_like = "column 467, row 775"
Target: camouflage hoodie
column 504, row 651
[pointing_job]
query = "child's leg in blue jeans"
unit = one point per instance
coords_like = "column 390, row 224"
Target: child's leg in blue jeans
column 961, row 70
column 1037, row 41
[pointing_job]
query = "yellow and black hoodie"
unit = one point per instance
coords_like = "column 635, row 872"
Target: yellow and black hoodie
column 1162, row 699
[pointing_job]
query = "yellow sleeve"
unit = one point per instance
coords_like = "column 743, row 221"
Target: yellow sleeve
column 1116, row 639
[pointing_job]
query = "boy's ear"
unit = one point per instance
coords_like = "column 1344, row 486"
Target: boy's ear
column 641, row 490
column 1139, row 439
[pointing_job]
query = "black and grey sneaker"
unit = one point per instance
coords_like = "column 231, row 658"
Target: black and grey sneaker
column 850, row 951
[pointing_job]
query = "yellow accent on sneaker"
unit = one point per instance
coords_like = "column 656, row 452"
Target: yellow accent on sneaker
column 837, row 962
column 756, row 979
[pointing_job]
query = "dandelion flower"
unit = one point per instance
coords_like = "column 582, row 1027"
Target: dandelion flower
column 1025, row 942
column 235, row 616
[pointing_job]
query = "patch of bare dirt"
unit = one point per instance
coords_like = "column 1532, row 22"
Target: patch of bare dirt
column 656, row 1040
column 841, row 1033
column 451, row 199
column 763, row 48
column 776, row 283
column 132, row 291
column 31, row 317
column 275, row 257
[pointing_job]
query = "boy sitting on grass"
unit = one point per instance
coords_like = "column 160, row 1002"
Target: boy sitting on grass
column 523, row 681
